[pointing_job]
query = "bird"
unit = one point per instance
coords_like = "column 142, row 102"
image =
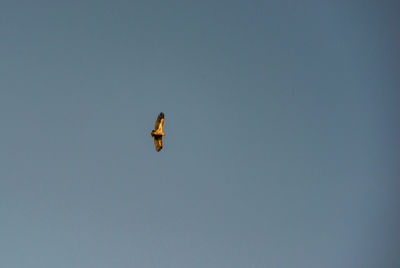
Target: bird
column 157, row 133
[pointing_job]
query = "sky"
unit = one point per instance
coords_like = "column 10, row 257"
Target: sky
column 281, row 122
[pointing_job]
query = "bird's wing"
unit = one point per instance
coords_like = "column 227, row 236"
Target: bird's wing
column 158, row 142
column 159, row 122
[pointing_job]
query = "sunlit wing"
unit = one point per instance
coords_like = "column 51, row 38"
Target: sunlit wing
column 159, row 122
column 158, row 142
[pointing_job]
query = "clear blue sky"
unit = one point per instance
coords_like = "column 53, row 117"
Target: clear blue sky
column 282, row 126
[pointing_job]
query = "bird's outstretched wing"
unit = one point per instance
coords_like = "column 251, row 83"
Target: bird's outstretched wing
column 159, row 122
column 158, row 142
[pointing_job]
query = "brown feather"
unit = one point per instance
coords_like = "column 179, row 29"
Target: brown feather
column 158, row 142
column 159, row 122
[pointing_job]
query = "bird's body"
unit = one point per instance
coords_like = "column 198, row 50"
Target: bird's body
column 157, row 133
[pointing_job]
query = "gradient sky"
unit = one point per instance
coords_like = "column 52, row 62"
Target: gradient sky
column 282, row 126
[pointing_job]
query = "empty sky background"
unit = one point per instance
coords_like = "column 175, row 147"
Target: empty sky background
column 282, row 134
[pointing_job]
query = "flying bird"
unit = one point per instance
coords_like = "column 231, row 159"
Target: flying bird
column 157, row 132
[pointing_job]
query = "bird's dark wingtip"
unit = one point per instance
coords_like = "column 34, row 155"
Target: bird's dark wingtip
column 161, row 115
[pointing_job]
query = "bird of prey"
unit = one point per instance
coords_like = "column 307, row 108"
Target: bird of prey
column 157, row 132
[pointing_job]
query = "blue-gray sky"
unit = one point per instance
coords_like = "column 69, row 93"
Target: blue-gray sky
column 282, row 134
